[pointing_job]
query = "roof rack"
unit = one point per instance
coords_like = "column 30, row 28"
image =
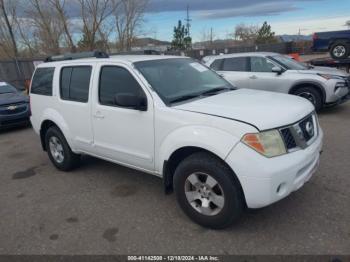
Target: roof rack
column 73, row 56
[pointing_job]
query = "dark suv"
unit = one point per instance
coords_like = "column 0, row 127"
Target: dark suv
column 336, row 42
column 14, row 106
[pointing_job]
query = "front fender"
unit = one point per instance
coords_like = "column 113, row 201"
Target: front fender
column 214, row 140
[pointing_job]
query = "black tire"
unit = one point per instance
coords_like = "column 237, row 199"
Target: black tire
column 70, row 159
column 339, row 50
column 311, row 94
column 233, row 196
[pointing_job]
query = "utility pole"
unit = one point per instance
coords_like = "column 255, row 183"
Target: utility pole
column 188, row 20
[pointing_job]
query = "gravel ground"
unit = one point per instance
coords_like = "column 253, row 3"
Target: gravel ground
column 103, row 208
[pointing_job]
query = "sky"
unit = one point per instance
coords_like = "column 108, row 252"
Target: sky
column 284, row 16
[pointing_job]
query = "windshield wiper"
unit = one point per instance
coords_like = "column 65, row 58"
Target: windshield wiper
column 184, row 97
column 214, row 91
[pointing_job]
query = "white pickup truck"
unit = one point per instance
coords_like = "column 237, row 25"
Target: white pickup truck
column 219, row 148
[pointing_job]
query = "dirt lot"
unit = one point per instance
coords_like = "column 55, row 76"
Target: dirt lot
column 103, row 208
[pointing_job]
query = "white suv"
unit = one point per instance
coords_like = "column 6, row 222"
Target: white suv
column 322, row 86
column 220, row 149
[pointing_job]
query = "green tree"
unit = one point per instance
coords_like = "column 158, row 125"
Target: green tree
column 265, row 35
column 181, row 38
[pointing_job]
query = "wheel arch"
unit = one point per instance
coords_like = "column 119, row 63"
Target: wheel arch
column 53, row 118
column 315, row 85
column 338, row 40
column 182, row 153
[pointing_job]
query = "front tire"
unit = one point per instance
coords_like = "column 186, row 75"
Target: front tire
column 340, row 50
column 207, row 191
column 312, row 95
column 59, row 151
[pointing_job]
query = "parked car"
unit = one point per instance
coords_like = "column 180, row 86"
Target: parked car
column 336, row 42
column 14, row 106
column 219, row 148
column 322, row 86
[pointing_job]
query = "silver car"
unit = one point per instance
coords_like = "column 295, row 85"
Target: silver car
column 323, row 86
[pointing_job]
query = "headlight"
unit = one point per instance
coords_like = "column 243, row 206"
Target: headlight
column 268, row 143
column 326, row 76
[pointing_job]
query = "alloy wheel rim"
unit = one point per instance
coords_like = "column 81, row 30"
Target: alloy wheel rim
column 56, row 149
column 339, row 51
column 309, row 97
column 204, row 194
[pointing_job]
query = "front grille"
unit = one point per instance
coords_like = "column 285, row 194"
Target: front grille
column 300, row 135
column 307, row 127
column 288, row 138
column 13, row 109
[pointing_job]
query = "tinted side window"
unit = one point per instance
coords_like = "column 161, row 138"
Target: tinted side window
column 235, row 64
column 42, row 81
column 216, row 65
column 260, row 64
column 75, row 82
column 116, row 80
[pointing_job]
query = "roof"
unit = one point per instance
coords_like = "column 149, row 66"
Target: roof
column 129, row 59
column 242, row 54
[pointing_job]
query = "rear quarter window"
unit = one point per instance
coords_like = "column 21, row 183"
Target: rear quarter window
column 42, row 81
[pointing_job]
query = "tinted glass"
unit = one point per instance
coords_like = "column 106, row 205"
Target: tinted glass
column 75, row 82
column 42, row 81
column 65, row 82
column 216, row 65
column 260, row 64
column 116, row 80
column 235, row 64
column 177, row 78
column 289, row 63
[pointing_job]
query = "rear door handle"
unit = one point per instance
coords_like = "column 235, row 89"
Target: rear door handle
column 98, row 115
column 253, row 77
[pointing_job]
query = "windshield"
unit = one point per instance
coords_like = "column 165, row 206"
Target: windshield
column 6, row 88
column 289, row 63
column 180, row 79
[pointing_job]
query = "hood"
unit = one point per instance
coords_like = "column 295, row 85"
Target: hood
column 264, row 110
column 325, row 70
column 11, row 98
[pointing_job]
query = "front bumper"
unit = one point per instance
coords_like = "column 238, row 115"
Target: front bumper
column 267, row 180
column 10, row 120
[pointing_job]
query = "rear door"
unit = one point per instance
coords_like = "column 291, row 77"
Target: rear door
column 235, row 70
column 124, row 135
column 74, row 102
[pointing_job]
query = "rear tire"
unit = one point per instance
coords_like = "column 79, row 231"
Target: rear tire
column 207, row 191
column 59, row 151
column 340, row 50
column 311, row 94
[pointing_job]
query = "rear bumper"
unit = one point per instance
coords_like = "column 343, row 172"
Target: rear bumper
column 268, row 180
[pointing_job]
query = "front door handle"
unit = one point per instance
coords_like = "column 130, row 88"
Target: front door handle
column 253, row 77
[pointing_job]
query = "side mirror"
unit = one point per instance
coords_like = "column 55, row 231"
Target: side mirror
column 277, row 70
column 131, row 101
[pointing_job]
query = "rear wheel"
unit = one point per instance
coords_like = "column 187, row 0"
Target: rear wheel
column 59, row 151
column 311, row 94
column 207, row 191
column 340, row 50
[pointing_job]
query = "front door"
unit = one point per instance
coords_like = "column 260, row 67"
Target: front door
column 124, row 135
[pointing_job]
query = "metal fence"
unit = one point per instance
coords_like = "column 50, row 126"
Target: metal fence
column 19, row 74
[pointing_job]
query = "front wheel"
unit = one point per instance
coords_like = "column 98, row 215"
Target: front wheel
column 310, row 94
column 207, row 191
